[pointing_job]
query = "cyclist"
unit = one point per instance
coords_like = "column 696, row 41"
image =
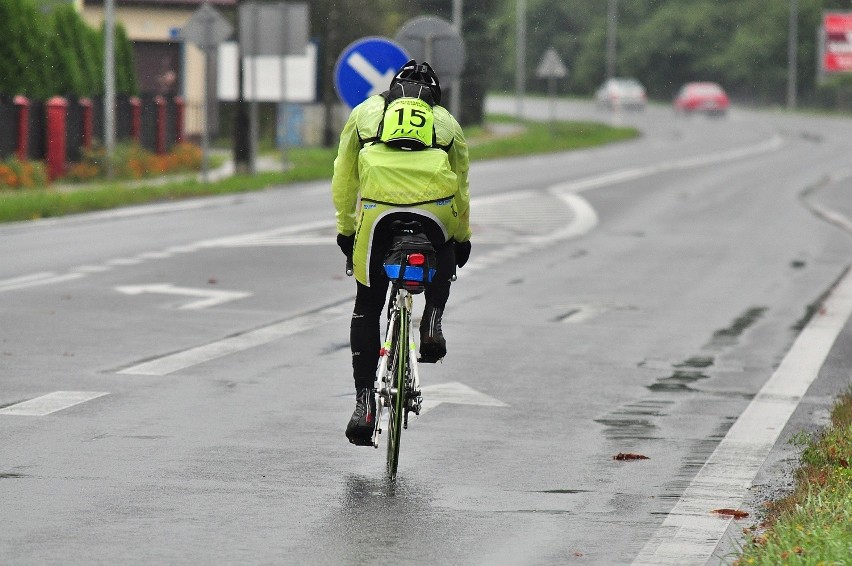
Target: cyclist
column 401, row 156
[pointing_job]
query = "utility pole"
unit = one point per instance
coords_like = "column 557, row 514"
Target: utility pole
column 328, row 75
column 611, row 29
column 792, row 51
column 109, row 83
column 242, row 142
column 455, row 84
column 520, row 56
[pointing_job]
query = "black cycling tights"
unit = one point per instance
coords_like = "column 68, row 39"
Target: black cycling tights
column 365, row 330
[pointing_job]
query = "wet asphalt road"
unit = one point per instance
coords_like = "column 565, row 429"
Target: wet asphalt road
column 625, row 299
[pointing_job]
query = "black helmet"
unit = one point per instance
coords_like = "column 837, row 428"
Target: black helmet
column 419, row 74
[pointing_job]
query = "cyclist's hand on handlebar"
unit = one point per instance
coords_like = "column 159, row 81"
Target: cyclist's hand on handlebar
column 462, row 253
column 346, row 244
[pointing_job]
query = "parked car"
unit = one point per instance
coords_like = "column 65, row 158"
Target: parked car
column 706, row 97
column 619, row 93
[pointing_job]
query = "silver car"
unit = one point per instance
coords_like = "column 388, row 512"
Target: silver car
column 618, row 93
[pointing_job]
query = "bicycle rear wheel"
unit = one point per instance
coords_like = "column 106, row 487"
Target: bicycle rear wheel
column 396, row 408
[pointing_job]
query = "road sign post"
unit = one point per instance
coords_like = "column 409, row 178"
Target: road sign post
column 366, row 67
column 439, row 43
column 206, row 28
column 551, row 68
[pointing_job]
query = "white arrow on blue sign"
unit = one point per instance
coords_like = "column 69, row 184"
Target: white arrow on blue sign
column 366, row 67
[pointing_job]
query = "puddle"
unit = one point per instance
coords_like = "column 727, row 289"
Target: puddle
column 680, row 380
column 696, row 362
column 695, row 459
column 728, row 336
column 627, row 428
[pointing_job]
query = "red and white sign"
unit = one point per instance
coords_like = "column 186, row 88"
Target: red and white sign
column 837, row 50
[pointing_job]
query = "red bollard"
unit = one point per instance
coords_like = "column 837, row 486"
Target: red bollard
column 23, row 105
column 136, row 119
column 87, row 125
column 56, row 112
column 180, row 117
column 161, row 124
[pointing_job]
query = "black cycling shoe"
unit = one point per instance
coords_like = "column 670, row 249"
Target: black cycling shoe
column 433, row 347
column 360, row 429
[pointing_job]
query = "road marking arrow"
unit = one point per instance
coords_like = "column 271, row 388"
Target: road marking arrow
column 379, row 81
column 211, row 297
column 455, row 392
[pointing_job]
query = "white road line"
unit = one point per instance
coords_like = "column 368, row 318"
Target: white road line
column 36, row 280
column 92, row 268
column 50, row 403
column 233, row 344
column 615, row 177
column 124, row 261
column 691, row 531
column 209, row 297
column 26, row 278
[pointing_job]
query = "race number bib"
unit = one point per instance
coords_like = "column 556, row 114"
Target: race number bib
column 408, row 123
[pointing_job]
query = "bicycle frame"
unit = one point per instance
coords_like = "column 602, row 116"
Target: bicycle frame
column 397, row 374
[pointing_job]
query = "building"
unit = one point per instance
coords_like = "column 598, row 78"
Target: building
column 164, row 64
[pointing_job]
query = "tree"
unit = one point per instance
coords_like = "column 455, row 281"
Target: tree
column 125, row 73
column 23, row 55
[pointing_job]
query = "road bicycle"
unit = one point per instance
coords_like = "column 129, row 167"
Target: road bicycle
column 410, row 265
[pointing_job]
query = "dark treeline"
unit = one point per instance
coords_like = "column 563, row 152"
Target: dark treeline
column 741, row 44
column 664, row 43
column 54, row 52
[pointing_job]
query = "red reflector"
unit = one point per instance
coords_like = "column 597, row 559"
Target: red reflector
column 412, row 283
column 416, row 259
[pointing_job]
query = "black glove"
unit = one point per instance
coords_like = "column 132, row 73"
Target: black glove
column 346, row 243
column 462, row 253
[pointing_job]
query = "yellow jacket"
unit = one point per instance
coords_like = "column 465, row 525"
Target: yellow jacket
column 395, row 176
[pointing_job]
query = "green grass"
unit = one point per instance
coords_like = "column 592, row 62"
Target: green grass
column 812, row 525
column 307, row 164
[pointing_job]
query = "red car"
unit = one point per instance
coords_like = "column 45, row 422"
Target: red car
column 706, row 97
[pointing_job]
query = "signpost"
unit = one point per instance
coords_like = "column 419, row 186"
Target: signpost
column 366, row 67
column 269, row 30
column 206, row 28
column 551, row 68
column 439, row 43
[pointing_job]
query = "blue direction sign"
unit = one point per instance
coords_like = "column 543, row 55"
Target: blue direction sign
column 366, row 68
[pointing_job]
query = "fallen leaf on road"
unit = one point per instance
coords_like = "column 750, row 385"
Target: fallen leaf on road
column 735, row 513
column 629, row 456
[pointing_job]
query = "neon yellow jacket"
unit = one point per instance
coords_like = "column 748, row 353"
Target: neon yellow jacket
column 394, row 176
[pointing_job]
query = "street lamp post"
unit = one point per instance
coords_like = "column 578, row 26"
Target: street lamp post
column 455, row 84
column 611, row 28
column 521, row 56
column 792, row 60
column 109, row 83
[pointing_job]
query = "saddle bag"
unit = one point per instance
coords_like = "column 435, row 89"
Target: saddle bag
column 411, row 262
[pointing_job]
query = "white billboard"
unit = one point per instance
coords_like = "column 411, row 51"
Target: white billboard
column 262, row 75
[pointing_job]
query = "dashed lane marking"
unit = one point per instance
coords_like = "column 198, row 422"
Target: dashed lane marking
column 180, row 360
column 50, row 403
column 36, row 279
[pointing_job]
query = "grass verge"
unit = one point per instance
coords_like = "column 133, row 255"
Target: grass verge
column 813, row 524
column 307, row 164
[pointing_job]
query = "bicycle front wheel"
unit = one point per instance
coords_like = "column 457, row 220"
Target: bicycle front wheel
column 398, row 372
